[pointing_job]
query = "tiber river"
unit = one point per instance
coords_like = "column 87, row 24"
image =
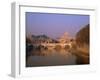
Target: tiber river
column 50, row 58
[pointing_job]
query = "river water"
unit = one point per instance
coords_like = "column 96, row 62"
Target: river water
column 51, row 58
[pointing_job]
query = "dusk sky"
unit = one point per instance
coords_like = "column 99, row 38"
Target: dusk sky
column 54, row 25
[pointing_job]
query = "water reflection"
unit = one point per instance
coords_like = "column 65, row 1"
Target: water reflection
column 50, row 57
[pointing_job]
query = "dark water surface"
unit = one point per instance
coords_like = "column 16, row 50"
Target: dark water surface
column 51, row 58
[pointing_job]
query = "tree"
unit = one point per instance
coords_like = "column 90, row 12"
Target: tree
column 82, row 37
column 28, row 40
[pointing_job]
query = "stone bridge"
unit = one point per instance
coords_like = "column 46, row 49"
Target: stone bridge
column 53, row 45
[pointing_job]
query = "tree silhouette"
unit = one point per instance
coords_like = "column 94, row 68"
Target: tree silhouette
column 82, row 37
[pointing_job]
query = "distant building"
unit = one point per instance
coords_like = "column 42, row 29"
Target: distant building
column 65, row 38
